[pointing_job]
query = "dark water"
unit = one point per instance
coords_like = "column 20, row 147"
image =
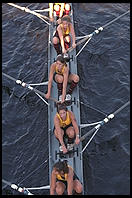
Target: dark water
column 104, row 70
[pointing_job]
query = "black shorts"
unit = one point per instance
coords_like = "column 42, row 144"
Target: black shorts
column 59, row 74
column 64, row 129
column 57, row 35
column 65, row 182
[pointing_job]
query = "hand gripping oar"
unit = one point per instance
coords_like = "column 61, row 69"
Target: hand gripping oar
column 23, row 84
column 105, row 120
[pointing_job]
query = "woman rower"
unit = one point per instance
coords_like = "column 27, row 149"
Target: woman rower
column 59, row 72
column 63, row 177
column 65, row 126
column 62, row 39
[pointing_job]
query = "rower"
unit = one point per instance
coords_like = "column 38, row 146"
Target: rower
column 60, row 9
column 65, row 128
column 64, row 178
column 59, row 72
column 61, row 38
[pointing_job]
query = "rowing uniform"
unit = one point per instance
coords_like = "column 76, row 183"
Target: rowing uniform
column 63, row 179
column 64, row 124
column 59, row 72
column 64, row 32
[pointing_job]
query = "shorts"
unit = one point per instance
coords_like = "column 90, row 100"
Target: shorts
column 64, row 129
column 57, row 35
column 65, row 182
column 58, row 74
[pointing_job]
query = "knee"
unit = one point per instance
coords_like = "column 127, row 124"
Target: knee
column 79, row 189
column 71, row 134
column 59, row 191
column 56, row 133
column 67, row 39
column 59, row 78
column 76, row 78
column 55, row 40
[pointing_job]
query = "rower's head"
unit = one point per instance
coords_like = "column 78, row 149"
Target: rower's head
column 62, row 110
column 61, row 167
column 65, row 20
column 60, row 61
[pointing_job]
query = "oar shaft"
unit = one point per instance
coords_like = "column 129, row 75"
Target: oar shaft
column 87, row 134
column 118, row 110
column 104, row 26
column 103, row 122
column 10, row 77
column 6, row 182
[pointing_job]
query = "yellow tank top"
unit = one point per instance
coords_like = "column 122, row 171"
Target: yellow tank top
column 60, row 72
column 65, row 123
column 65, row 32
column 62, row 178
column 59, row 177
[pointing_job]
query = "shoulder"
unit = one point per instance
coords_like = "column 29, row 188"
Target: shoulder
column 53, row 173
column 71, row 26
column 66, row 69
column 53, row 64
column 52, row 67
column 59, row 27
column 71, row 113
column 56, row 119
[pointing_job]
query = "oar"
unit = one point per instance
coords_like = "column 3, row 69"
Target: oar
column 31, row 12
column 23, row 190
column 105, row 120
column 23, row 84
column 98, row 30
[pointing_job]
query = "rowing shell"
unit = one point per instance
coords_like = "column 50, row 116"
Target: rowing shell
column 74, row 157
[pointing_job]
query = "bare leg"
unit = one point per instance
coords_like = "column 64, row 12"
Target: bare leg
column 77, row 186
column 59, row 80
column 60, row 188
column 71, row 134
column 59, row 136
column 73, row 79
column 57, row 45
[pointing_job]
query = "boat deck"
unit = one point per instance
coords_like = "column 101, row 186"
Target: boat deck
column 74, row 159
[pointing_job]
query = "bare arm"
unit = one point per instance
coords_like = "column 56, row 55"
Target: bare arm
column 66, row 72
column 52, row 183
column 73, row 34
column 75, row 126
column 52, row 69
column 61, row 39
column 70, row 181
column 59, row 134
column 74, row 123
